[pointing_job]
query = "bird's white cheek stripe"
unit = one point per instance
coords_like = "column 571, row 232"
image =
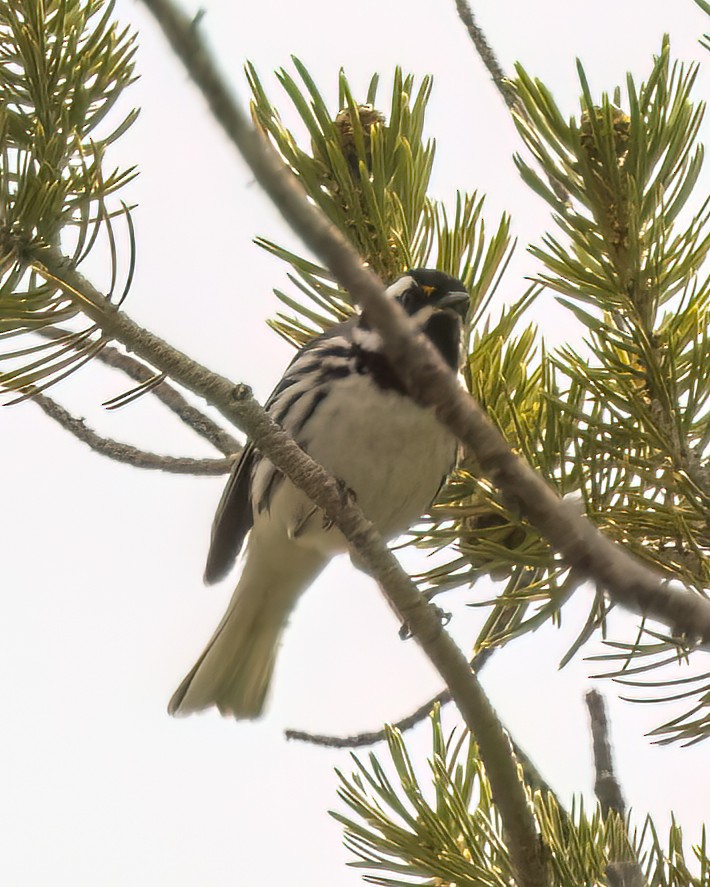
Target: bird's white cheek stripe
column 368, row 340
column 400, row 286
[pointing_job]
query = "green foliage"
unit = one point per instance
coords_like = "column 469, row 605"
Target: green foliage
column 369, row 173
column 63, row 67
column 370, row 179
column 636, row 402
column 445, row 830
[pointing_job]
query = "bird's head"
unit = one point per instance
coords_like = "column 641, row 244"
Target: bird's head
column 424, row 291
column 436, row 302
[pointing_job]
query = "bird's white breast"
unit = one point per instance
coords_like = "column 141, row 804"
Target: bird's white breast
column 390, row 452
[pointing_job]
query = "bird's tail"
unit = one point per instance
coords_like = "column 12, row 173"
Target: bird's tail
column 234, row 671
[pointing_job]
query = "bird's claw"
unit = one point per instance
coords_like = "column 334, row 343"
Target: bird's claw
column 443, row 616
column 347, row 497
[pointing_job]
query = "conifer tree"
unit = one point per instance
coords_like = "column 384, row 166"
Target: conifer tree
column 619, row 425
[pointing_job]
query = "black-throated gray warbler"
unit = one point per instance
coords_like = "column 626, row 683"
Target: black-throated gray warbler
column 343, row 402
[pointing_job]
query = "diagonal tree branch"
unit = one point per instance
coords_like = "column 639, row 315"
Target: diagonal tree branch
column 619, row 872
column 429, row 380
column 127, row 453
column 488, row 57
column 606, row 785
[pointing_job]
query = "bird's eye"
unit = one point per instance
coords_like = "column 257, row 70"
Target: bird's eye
column 411, row 300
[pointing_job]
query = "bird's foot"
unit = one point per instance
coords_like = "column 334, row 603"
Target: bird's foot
column 347, row 497
column 443, row 616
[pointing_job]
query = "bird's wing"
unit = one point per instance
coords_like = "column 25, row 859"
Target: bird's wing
column 233, row 519
column 235, row 512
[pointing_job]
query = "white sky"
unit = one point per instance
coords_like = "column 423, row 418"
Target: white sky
column 103, row 609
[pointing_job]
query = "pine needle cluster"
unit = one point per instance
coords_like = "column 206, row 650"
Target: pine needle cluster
column 64, row 66
column 442, row 828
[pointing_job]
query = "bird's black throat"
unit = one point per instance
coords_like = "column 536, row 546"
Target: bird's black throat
column 443, row 329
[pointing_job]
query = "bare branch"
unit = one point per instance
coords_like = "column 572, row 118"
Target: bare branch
column 166, row 394
column 127, row 453
column 531, row 774
column 429, row 380
column 360, row 740
column 606, row 786
column 488, row 57
column 171, row 397
column 619, row 872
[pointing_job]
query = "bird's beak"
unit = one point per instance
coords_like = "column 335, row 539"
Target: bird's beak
column 457, row 302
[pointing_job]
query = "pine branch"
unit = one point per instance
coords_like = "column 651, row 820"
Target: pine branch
column 127, row 453
column 442, row 828
column 486, row 53
column 406, row 828
column 620, row 872
column 628, row 266
column 606, row 785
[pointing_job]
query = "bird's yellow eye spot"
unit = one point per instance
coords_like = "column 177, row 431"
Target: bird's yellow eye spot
column 428, row 290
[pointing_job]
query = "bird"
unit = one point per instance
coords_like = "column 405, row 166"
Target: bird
column 342, row 400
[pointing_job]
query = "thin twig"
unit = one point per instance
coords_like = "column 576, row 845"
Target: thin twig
column 531, row 774
column 488, row 57
column 166, row 394
column 606, row 785
column 429, row 380
column 127, row 453
column 619, row 872
column 171, row 398
column 359, row 740
column 499, row 77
